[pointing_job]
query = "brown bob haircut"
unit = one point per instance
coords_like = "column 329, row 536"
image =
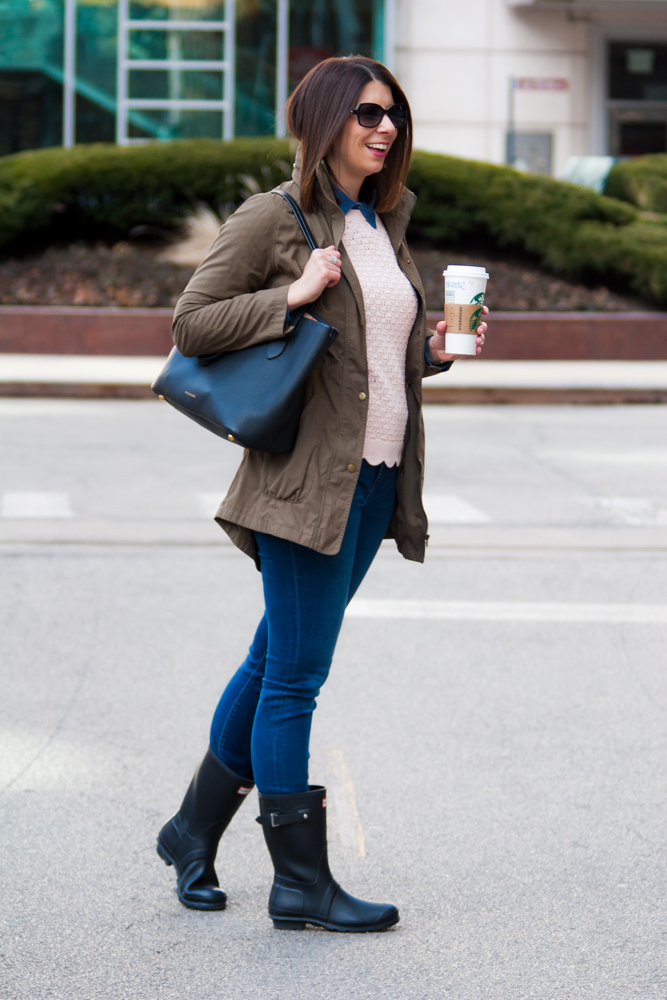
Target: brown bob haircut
column 318, row 110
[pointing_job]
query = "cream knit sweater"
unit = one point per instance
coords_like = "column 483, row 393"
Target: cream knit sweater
column 390, row 303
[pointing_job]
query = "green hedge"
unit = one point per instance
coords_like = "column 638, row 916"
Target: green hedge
column 103, row 191
column 567, row 228
column 642, row 181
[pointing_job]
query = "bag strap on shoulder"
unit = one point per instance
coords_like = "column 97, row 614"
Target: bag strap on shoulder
column 296, row 208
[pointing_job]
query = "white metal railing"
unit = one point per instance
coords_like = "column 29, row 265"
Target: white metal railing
column 125, row 104
column 282, row 65
column 69, row 72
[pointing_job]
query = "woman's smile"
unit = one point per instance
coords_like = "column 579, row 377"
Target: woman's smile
column 378, row 148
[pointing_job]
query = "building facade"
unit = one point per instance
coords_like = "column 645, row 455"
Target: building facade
column 551, row 79
column 526, row 81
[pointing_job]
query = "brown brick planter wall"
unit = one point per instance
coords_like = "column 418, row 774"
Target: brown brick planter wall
column 574, row 336
column 84, row 330
column 511, row 337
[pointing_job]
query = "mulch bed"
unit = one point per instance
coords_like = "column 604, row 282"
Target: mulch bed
column 132, row 275
column 518, row 286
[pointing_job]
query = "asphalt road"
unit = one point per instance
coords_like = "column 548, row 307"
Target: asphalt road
column 492, row 734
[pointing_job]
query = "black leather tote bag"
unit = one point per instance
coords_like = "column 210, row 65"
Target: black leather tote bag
column 254, row 396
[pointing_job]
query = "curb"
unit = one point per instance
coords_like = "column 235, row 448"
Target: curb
column 74, row 390
column 539, row 396
column 432, row 396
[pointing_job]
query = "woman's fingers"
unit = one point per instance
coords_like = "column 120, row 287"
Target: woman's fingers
column 322, row 271
column 328, row 260
column 437, row 342
column 331, row 255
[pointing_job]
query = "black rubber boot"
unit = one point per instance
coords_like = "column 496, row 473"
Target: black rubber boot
column 189, row 841
column 304, row 890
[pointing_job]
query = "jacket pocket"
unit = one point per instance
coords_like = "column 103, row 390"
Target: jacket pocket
column 289, row 477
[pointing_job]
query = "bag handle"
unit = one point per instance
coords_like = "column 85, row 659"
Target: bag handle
column 208, row 359
column 277, row 347
column 303, row 225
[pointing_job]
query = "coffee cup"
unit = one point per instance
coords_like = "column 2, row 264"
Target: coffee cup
column 465, row 286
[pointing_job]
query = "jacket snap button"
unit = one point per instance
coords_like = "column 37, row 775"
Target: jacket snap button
column 362, row 395
column 231, row 437
column 351, row 468
column 407, row 260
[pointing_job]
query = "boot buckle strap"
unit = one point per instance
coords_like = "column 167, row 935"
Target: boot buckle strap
column 275, row 819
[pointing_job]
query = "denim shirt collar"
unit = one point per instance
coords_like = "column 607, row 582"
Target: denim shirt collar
column 367, row 208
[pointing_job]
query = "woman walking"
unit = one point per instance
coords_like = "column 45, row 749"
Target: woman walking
column 312, row 519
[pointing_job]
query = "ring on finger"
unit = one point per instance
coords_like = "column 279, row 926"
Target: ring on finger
column 334, row 259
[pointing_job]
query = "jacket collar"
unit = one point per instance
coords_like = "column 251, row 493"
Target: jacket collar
column 396, row 221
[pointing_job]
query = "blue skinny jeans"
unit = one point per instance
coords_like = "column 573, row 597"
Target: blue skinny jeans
column 261, row 727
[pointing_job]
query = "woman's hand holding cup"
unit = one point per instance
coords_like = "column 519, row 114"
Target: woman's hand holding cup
column 322, row 271
column 436, row 344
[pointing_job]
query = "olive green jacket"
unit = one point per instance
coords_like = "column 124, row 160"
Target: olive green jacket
column 238, row 297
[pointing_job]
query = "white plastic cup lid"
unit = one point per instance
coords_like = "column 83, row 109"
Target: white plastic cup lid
column 465, row 271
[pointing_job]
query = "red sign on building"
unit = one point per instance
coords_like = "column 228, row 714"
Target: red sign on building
column 540, row 83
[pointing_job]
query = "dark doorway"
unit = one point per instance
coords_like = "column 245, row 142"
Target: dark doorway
column 639, row 138
column 637, row 98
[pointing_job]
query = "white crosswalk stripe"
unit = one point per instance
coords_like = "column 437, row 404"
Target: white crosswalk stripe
column 638, row 511
column 510, row 611
column 35, row 505
column 444, row 508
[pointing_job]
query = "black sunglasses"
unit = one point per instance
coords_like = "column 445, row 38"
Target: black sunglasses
column 370, row 115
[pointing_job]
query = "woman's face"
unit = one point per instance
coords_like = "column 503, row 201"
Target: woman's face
column 359, row 152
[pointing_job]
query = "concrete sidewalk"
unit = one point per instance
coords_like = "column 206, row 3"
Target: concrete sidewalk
column 467, row 382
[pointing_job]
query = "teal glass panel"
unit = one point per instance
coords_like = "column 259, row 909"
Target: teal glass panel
column 176, row 124
column 255, row 67
column 177, row 10
column 378, row 26
column 31, row 74
column 158, row 44
column 330, row 28
column 96, row 53
column 177, row 85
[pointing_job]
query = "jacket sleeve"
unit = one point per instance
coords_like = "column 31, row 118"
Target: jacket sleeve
column 430, row 368
column 226, row 304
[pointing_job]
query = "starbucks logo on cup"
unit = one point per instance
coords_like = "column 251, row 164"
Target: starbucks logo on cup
column 474, row 319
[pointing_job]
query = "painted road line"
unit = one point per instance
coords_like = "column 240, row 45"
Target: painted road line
column 35, row 505
column 637, row 456
column 341, row 791
column 639, row 512
column 510, row 611
column 444, row 508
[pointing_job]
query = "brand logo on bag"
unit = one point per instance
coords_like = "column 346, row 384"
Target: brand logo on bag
column 194, row 396
column 324, row 803
column 243, row 790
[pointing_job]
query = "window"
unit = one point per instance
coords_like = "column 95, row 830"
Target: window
column 68, row 74
column 637, row 98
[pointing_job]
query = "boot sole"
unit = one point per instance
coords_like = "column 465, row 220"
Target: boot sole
column 191, row 904
column 288, row 924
